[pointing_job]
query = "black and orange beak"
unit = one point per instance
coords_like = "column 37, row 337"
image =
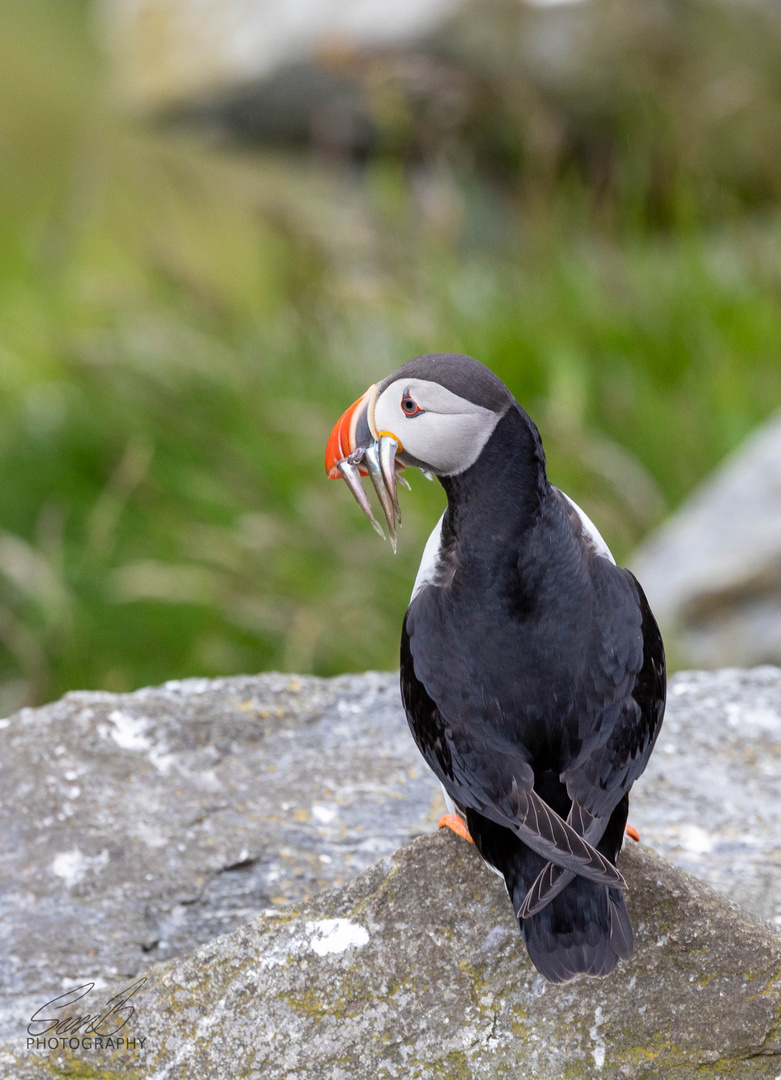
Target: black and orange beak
column 355, row 448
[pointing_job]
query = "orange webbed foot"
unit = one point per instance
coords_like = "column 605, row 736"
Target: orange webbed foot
column 632, row 833
column 456, row 824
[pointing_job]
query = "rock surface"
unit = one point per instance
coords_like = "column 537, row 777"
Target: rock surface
column 134, row 828
column 713, row 572
column 710, row 799
column 417, row 970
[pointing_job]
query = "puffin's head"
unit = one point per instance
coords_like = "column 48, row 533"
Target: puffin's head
column 435, row 412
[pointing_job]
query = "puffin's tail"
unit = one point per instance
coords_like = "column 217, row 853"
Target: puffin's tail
column 585, row 928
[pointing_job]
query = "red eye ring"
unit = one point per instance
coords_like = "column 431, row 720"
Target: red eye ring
column 409, row 406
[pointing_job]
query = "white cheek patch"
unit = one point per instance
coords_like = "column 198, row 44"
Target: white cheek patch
column 450, row 444
column 450, row 433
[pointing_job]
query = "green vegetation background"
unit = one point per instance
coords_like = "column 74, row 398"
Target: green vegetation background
column 181, row 325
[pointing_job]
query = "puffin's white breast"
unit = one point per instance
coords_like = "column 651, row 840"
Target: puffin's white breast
column 429, row 559
column 590, row 529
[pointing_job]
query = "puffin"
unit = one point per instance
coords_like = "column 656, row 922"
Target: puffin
column 532, row 668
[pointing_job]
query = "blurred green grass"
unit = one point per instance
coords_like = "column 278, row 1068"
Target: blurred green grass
column 181, row 325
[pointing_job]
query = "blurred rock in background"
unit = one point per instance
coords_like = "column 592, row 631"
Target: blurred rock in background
column 178, row 50
column 712, row 573
column 639, row 98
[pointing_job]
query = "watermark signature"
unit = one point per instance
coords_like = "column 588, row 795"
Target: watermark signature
column 67, row 1021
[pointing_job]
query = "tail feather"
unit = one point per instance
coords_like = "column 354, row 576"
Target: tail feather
column 583, row 929
column 585, row 926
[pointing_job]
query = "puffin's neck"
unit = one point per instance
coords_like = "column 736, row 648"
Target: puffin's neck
column 495, row 501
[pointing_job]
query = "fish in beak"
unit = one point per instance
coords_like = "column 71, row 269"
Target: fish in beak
column 355, row 448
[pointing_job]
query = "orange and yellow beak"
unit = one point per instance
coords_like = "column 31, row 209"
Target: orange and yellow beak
column 356, row 449
column 342, row 441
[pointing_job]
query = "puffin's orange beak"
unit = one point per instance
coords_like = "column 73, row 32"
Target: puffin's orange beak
column 355, row 449
column 343, row 439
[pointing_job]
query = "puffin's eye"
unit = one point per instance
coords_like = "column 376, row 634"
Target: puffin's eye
column 409, row 406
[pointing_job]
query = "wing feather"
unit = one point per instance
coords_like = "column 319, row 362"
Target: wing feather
column 480, row 771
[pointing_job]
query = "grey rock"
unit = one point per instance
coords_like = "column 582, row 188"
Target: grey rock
column 135, row 827
column 712, row 573
column 710, row 799
column 416, row 970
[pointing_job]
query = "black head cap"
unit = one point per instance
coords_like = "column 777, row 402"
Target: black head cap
column 462, row 375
